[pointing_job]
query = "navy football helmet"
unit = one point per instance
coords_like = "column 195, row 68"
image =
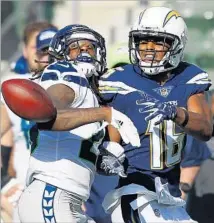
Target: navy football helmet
column 59, row 46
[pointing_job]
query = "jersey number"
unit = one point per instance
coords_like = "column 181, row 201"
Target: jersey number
column 165, row 144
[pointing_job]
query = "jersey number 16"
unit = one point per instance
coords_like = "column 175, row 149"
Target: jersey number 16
column 165, row 144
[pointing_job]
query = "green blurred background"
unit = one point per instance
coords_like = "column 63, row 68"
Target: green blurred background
column 112, row 19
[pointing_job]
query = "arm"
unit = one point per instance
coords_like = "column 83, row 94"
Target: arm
column 187, row 176
column 113, row 134
column 5, row 120
column 194, row 154
column 200, row 119
column 11, row 169
column 69, row 118
column 7, row 207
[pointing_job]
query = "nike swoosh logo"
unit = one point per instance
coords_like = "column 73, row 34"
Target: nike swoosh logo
column 66, row 66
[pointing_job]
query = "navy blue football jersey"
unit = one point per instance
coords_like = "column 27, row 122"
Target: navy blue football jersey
column 161, row 145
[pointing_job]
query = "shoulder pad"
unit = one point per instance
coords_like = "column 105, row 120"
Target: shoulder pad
column 115, row 73
column 192, row 74
column 195, row 79
column 61, row 67
column 201, row 78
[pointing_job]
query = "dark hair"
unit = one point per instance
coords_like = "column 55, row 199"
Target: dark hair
column 94, row 82
column 33, row 27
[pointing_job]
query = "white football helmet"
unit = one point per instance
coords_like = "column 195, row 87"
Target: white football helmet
column 163, row 23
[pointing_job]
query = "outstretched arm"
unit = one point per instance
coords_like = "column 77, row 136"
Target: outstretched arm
column 69, row 118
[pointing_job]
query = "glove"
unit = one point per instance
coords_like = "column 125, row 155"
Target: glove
column 112, row 166
column 112, row 158
column 160, row 111
column 125, row 127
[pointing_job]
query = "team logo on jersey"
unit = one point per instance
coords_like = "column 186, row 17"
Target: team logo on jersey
column 163, row 91
column 157, row 212
column 171, row 14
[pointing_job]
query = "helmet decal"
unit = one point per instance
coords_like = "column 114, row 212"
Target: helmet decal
column 161, row 26
column 171, row 14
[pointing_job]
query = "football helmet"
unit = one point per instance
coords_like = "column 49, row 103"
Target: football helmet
column 59, row 46
column 158, row 23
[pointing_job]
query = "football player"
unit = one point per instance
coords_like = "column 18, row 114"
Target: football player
column 164, row 97
column 11, row 122
column 117, row 56
column 62, row 163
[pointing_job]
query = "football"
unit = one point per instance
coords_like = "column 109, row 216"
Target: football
column 28, row 100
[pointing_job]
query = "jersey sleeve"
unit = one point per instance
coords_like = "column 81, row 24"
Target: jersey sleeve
column 113, row 87
column 194, row 153
column 65, row 73
column 197, row 80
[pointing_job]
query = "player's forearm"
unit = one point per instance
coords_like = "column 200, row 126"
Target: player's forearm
column 5, row 120
column 187, row 178
column 197, row 125
column 69, row 119
column 188, row 174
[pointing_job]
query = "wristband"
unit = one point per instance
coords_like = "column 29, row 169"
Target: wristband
column 186, row 119
column 185, row 187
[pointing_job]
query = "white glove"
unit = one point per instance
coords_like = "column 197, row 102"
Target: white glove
column 114, row 149
column 112, row 158
column 125, row 126
column 112, row 166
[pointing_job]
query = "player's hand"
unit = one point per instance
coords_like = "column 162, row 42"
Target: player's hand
column 112, row 166
column 112, row 158
column 160, row 111
column 123, row 124
column 125, row 127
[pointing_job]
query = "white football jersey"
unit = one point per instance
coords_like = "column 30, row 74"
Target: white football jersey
column 67, row 159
